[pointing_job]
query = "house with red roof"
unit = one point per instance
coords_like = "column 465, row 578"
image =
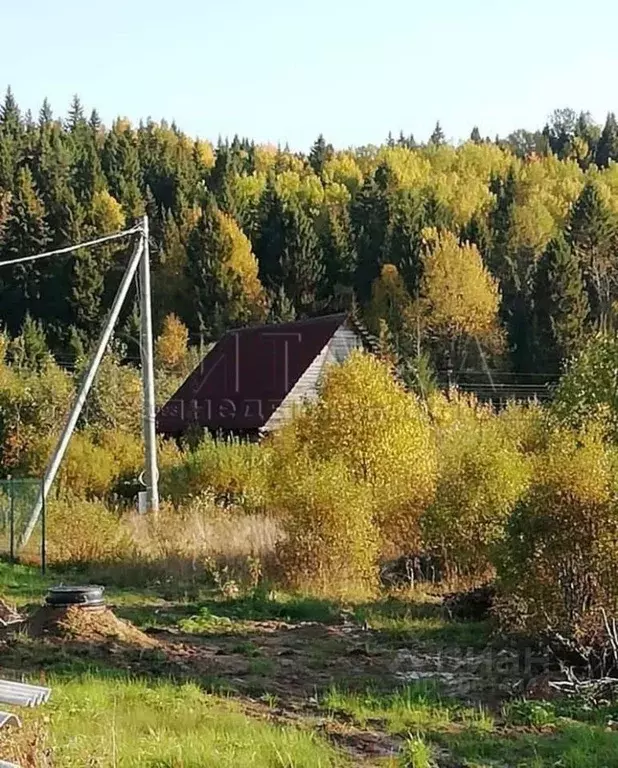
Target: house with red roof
column 254, row 378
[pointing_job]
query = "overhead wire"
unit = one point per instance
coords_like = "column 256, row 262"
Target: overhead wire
column 71, row 248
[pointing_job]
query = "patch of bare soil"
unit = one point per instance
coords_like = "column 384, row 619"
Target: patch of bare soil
column 290, row 661
column 278, row 669
column 363, row 745
column 86, row 625
column 484, row 675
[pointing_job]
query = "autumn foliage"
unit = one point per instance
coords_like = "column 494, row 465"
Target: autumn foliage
column 172, row 345
column 481, row 476
column 381, row 435
column 459, row 297
column 365, row 473
column 558, row 560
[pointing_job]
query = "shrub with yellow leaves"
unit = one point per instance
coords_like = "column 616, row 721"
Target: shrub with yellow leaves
column 558, row 562
column 459, row 297
column 241, row 264
column 94, row 464
column 87, row 470
column 172, row 346
column 392, row 304
column 125, row 450
column 525, row 426
column 32, row 404
column 381, row 435
column 4, row 346
column 481, row 476
column 115, row 401
column 331, row 542
column 233, row 471
column 586, row 392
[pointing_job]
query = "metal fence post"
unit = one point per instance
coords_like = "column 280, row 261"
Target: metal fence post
column 43, row 531
column 12, row 519
column 5, row 514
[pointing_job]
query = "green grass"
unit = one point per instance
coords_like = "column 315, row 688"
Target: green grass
column 101, row 716
column 115, row 721
column 246, row 648
column 569, row 745
column 531, row 734
column 262, row 605
column 22, row 583
column 416, row 706
column 205, row 611
column 397, row 620
column 401, row 620
column 539, row 714
column 219, row 615
column 416, row 753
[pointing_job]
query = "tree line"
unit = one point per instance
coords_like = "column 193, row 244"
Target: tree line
column 501, row 249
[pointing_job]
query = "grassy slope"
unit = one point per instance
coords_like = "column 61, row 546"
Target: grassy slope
column 135, row 723
column 114, row 716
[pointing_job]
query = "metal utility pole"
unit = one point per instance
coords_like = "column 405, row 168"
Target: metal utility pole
column 151, row 475
column 69, row 427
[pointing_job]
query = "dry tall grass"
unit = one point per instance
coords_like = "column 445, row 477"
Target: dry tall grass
column 197, row 542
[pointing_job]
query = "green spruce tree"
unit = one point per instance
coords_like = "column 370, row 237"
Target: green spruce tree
column 29, row 348
column 437, row 138
column 289, row 252
column 592, row 233
column 302, row 261
column 219, row 301
column 221, row 181
column 95, row 123
column 75, row 118
column 339, row 257
column 26, row 233
column 560, row 306
column 87, row 174
column 120, row 164
column 46, row 114
column 11, row 134
column 371, row 215
column 607, row 148
column 281, row 309
column 319, row 155
column 10, row 117
column 405, row 243
column 270, row 238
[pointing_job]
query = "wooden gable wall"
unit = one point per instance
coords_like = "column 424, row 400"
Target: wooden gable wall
column 339, row 347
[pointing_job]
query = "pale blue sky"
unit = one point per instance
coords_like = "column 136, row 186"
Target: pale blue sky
column 286, row 70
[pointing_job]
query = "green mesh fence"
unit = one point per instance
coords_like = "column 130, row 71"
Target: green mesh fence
column 17, row 499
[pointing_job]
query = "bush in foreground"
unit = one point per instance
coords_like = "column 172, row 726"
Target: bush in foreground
column 558, row 562
column 481, row 475
column 234, row 472
column 381, row 434
column 331, row 542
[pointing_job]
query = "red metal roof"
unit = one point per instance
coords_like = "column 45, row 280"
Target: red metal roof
column 246, row 376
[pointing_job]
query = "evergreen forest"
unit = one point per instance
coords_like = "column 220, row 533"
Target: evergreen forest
column 494, row 251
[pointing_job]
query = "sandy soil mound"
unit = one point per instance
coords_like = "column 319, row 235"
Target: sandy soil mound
column 88, row 625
